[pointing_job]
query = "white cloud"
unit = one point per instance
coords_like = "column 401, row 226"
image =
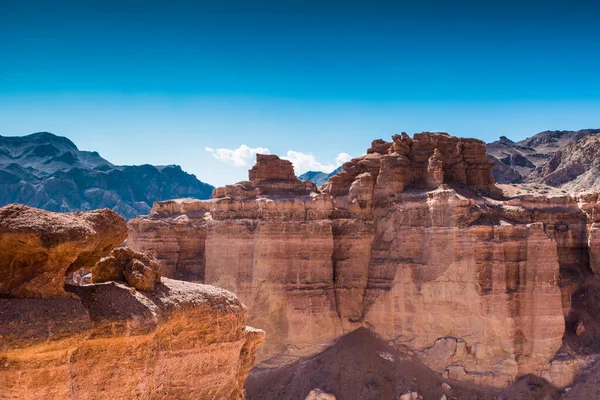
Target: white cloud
column 304, row 162
column 342, row 158
column 243, row 156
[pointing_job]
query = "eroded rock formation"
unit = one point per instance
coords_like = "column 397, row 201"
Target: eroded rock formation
column 413, row 240
column 558, row 158
column 38, row 248
column 174, row 340
column 180, row 341
column 139, row 270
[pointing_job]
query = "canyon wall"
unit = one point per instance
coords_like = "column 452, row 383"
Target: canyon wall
column 171, row 339
column 412, row 240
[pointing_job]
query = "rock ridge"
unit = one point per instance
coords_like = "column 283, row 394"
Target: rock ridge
column 170, row 339
column 413, row 240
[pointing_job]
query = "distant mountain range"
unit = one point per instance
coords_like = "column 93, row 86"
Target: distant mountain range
column 48, row 171
column 319, row 177
column 563, row 159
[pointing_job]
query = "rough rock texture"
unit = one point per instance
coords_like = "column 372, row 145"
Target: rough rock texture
column 504, row 173
column 270, row 176
column 38, row 248
column 48, row 171
column 426, row 160
column 175, row 340
column 140, row 270
column 574, row 167
column 360, row 365
column 413, row 240
column 318, row 394
column 534, row 158
column 318, row 177
column 180, row 341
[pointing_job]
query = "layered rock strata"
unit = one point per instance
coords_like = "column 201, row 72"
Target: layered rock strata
column 38, row 248
column 175, row 340
column 180, row 341
column 413, row 240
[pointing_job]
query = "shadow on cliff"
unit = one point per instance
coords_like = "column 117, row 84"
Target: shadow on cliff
column 362, row 366
column 118, row 305
column 582, row 332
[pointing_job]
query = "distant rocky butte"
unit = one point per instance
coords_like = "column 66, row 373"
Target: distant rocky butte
column 567, row 155
column 169, row 340
column 49, row 172
column 413, row 240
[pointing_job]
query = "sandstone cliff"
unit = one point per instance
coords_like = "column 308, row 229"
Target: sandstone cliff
column 175, row 340
column 413, row 240
column 38, row 248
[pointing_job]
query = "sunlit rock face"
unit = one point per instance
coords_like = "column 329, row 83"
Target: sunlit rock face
column 179, row 341
column 168, row 339
column 413, row 240
column 38, row 248
column 270, row 240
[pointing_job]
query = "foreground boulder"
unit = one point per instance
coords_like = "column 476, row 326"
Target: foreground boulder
column 174, row 340
column 38, row 248
column 179, row 341
column 140, row 270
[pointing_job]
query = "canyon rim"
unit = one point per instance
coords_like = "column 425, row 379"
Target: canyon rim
column 413, row 241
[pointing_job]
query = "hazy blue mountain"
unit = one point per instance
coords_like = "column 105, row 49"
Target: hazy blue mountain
column 48, row 171
column 318, row 177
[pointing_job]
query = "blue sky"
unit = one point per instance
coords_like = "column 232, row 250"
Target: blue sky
column 160, row 82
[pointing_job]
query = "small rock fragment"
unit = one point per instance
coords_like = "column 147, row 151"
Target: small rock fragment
column 318, row 394
column 410, row 396
column 139, row 270
column 580, row 329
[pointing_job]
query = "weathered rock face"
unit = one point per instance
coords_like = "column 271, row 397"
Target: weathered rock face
column 38, row 248
column 180, row 341
column 318, row 394
column 139, row 270
column 412, row 240
column 559, row 158
column 426, row 160
column 270, row 176
column 573, row 168
column 175, row 340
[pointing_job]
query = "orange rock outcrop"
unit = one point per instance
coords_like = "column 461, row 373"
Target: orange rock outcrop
column 38, row 248
column 413, row 240
column 174, row 340
column 139, row 270
column 180, row 341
